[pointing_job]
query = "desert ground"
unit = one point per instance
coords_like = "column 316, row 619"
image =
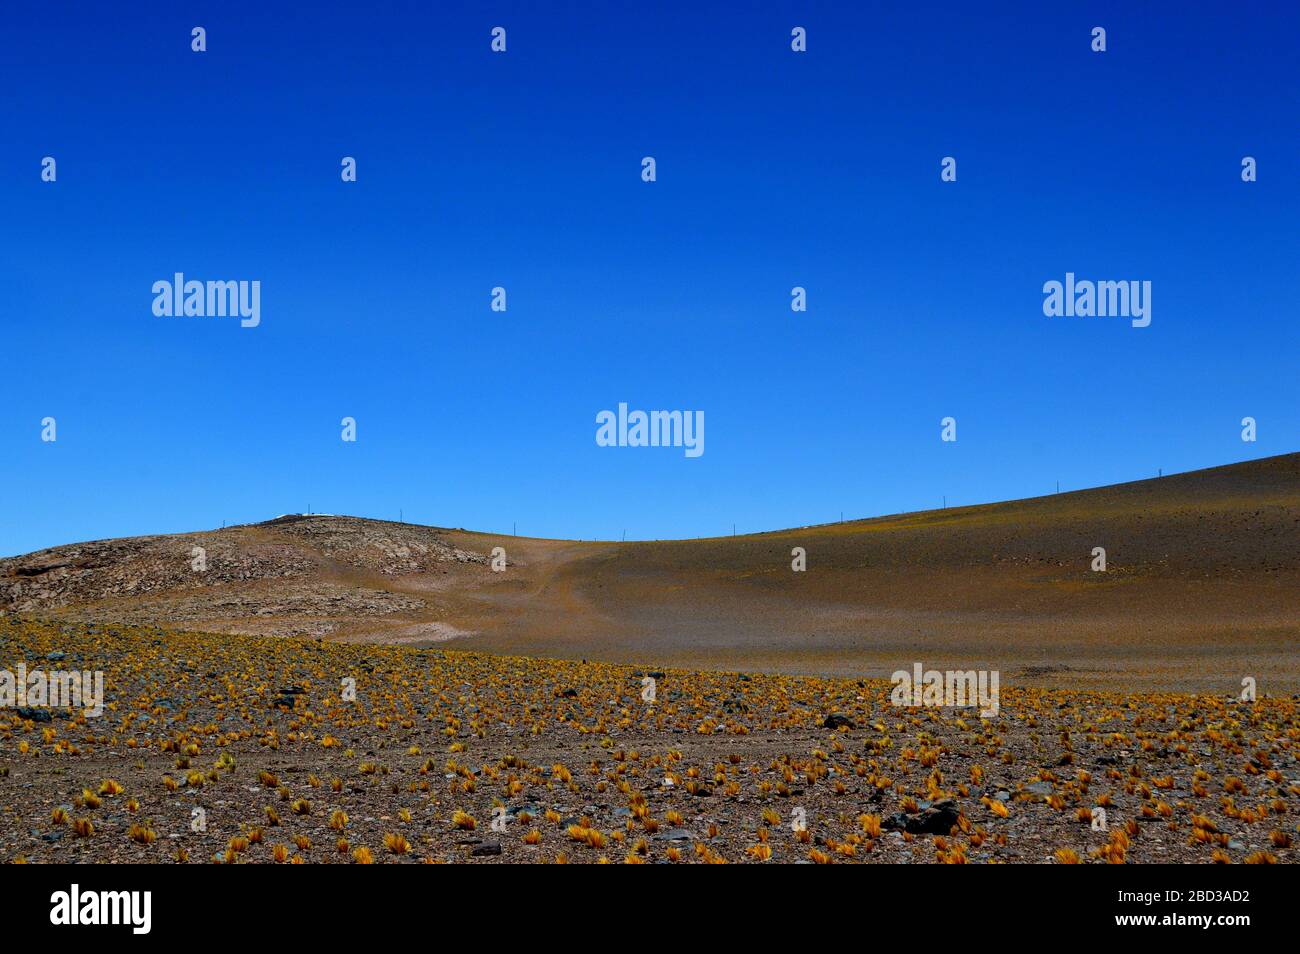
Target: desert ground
column 447, row 756
column 684, row 701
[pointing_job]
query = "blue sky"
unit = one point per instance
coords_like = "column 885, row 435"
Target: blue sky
column 522, row 170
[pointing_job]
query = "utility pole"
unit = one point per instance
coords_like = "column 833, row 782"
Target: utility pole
column 945, row 501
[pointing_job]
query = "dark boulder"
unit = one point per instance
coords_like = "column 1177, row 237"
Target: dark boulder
column 938, row 819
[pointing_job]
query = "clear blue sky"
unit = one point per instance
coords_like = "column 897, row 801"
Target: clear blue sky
column 775, row 169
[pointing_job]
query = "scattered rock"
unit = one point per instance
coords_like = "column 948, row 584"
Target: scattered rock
column 938, row 819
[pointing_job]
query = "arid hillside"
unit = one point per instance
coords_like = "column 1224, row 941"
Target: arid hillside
column 1201, row 588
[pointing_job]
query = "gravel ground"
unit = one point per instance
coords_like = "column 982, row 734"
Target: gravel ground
column 451, row 756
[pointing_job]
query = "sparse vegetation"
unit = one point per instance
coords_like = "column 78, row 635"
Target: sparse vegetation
column 866, row 792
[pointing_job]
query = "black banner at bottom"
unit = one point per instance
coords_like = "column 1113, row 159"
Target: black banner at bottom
column 141, row 905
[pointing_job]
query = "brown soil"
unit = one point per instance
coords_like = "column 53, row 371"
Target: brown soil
column 1201, row 590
